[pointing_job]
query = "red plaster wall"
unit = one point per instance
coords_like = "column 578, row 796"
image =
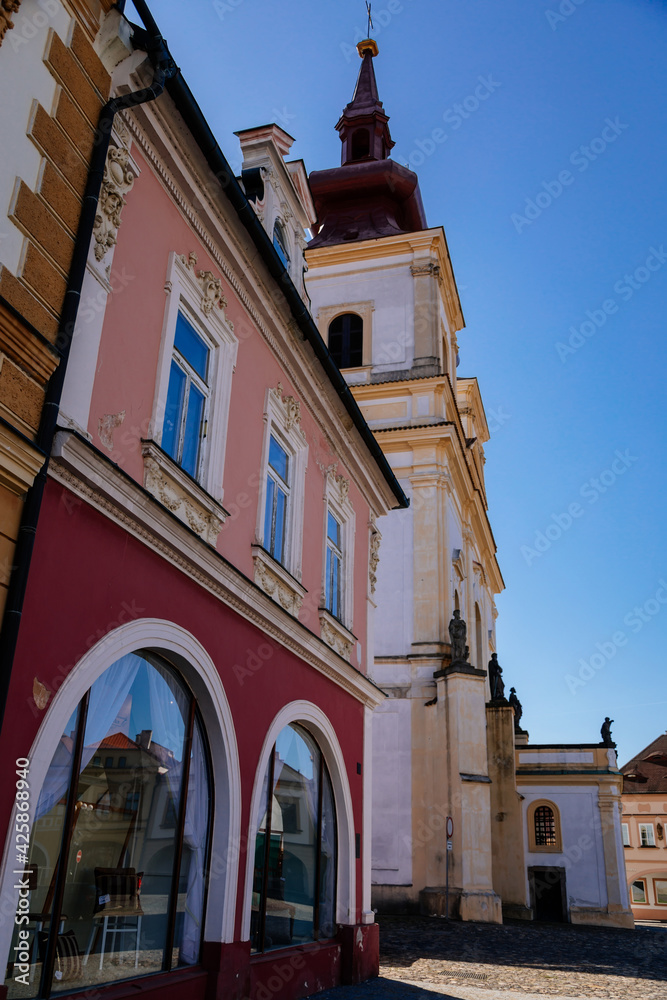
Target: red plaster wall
column 88, row 576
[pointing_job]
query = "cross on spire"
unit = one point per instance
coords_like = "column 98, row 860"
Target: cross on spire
column 370, row 19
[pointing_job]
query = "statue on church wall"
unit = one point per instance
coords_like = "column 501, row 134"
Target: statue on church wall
column 457, row 636
column 605, row 732
column 518, row 709
column 496, row 683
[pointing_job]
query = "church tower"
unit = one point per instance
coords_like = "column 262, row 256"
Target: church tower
column 385, row 299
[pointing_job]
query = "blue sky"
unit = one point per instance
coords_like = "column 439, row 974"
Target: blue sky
column 551, row 190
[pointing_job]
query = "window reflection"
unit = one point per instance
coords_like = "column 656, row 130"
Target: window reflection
column 105, row 903
column 295, row 848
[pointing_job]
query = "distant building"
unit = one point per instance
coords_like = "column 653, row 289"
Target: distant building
column 570, row 823
column 644, row 823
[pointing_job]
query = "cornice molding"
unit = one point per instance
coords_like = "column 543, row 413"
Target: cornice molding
column 88, row 474
column 19, row 462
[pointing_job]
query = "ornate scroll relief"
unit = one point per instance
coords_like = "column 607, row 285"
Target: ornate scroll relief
column 335, row 481
column 291, row 407
column 458, row 563
column 211, row 287
column 374, row 557
column 277, row 582
column 191, row 504
column 7, row 8
column 336, row 635
column 118, row 180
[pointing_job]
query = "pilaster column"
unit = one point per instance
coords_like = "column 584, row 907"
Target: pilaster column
column 509, row 863
column 618, row 905
column 426, row 274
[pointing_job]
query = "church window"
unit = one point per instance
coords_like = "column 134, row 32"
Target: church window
column 544, row 827
column 346, row 340
column 294, row 882
column 361, row 144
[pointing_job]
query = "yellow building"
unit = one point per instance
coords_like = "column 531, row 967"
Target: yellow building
column 58, row 86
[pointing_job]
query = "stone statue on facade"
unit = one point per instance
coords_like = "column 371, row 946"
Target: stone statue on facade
column 605, row 732
column 518, row 710
column 457, row 637
column 496, row 683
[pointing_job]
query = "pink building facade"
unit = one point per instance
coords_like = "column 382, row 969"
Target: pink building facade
column 189, row 707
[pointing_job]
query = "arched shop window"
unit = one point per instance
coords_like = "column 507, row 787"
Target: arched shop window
column 294, row 886
column 120, row 837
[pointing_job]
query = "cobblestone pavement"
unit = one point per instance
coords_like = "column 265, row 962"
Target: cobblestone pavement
column 425, row 958
column 525, row 959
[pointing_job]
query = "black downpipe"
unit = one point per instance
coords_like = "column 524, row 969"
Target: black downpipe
column 45, row 435
column 192, row 115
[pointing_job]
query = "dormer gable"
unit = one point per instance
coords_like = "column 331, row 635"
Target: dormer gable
column 280, row 194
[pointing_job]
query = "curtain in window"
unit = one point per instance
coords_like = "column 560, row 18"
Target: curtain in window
column 107, row 697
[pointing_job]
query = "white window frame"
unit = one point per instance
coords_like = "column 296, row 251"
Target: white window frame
column 337, row 501
column 639, row 902
column 188, row 293
column 625, row 834
column 282, row 420
column 646, row 831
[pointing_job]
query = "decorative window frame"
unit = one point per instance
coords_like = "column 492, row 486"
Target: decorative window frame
column 655, row 881
column 533, row 847
column 282, row 581
column 327, row 314
column 649, row 837
column 198, row 295
column 334, row 631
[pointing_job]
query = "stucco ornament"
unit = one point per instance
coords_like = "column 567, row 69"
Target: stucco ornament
column 374, row 557
column 211, row 287
column 40, row 694
column 118, row 181
column 425, row 268
column 291, row 407
column 7, row 8
column 337, row 480
column 169, row 492
column 335, row 640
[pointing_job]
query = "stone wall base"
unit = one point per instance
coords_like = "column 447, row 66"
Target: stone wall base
column 598, row 917
column 517, row 911
column 485, row 907
column 433, row 902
